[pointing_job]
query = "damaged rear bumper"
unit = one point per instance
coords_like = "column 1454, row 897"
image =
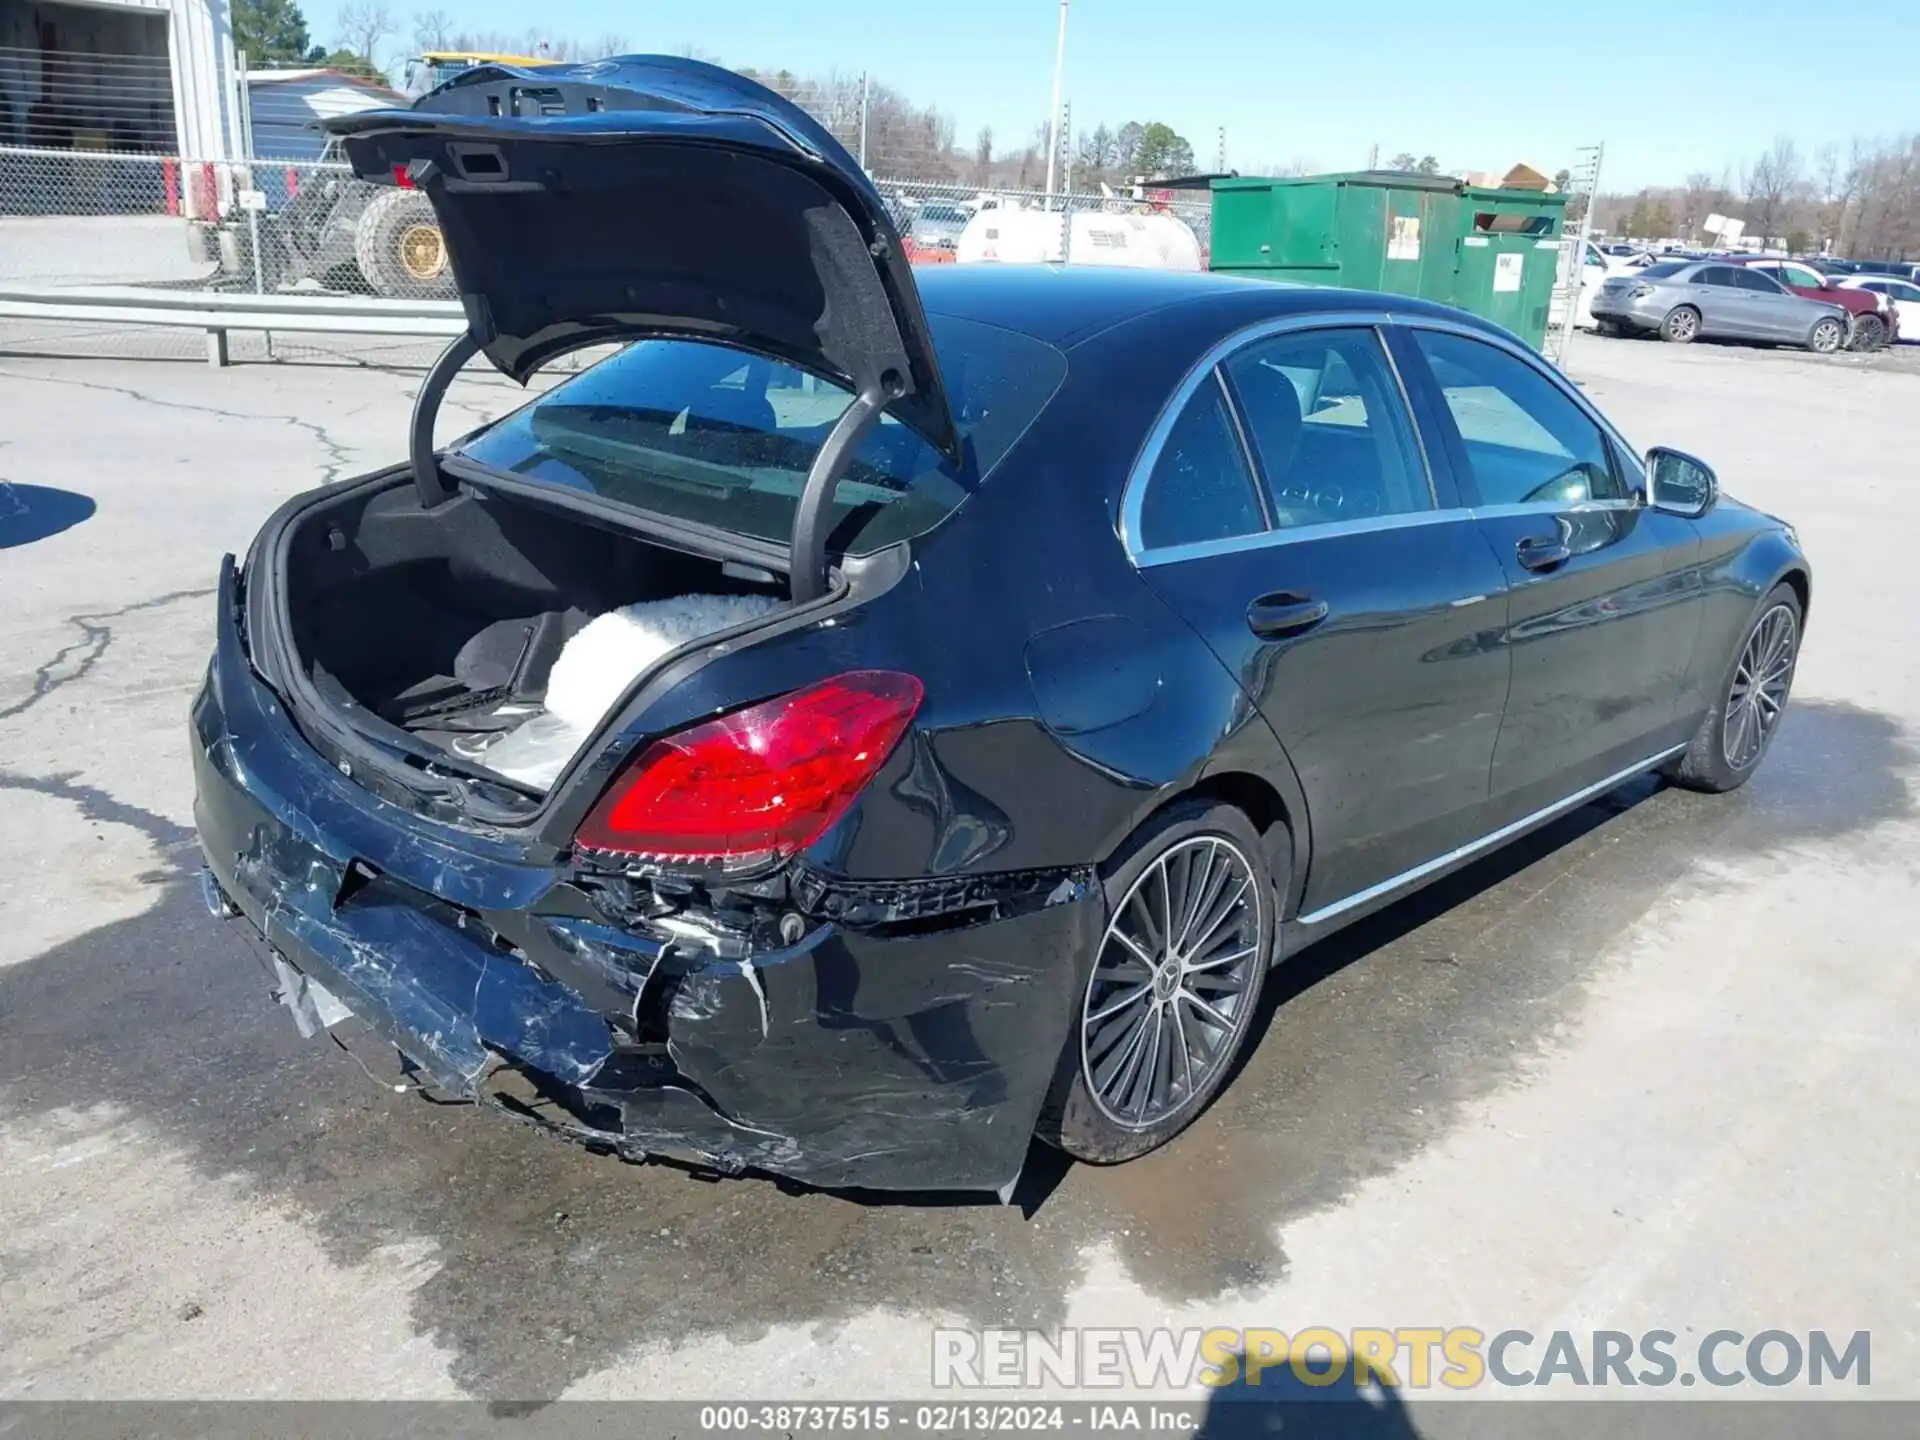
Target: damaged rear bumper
column 884, row 1060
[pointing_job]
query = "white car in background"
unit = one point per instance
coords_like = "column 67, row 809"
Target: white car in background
column 1597, row 265
column 1903, row 295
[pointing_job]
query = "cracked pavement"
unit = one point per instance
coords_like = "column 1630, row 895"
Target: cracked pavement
column 1651, row 1068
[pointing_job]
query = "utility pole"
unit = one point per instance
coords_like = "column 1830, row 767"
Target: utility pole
column 1066, row 145
column 1053, row 111
column 1373, row 156
column 865, row 93
column 1220, row 154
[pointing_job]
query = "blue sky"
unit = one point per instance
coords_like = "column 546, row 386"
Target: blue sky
column 1477, row 85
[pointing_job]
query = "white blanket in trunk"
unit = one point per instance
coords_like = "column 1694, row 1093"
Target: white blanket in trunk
column 597, row 665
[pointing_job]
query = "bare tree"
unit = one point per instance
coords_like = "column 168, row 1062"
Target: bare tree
column 1767, row 186
column 983, row 156
column 1283, row 169
column 432, row 29
column 1096, row 154
column 612, row 43
column 1700, row 197
column 363, row 24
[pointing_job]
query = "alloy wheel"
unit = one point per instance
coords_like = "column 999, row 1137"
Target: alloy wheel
column 1760, row 684
column 1826, row 337
column 1167, row 1000
column 1682, row 326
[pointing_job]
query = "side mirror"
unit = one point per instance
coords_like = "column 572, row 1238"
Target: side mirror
column 1680, row 484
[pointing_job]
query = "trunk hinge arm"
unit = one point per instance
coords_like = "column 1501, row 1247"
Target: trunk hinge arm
column 426, row 408
column 809, row 544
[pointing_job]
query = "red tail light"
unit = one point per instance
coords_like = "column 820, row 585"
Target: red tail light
column 760, row 784
column 402, row 178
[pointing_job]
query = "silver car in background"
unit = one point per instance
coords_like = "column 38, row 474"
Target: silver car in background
column 1686, row 300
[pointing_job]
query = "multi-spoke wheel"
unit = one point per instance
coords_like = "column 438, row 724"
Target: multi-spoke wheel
column 1166, row 1002
column 1826, row 336
column 1736, row 732
column 1173, row 985
column 1681, row 326
column 1759, row 690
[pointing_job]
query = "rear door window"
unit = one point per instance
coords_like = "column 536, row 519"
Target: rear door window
column 721, row 437
column 1328, row 427
column 1200, row 489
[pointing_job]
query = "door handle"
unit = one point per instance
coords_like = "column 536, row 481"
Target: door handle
column 1274, row 617
column 1542, row 552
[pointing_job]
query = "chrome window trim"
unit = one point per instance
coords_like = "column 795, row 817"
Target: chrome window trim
column 1551, row 507
column 1208, row 364
column 1492, row 838
column 1296, row 535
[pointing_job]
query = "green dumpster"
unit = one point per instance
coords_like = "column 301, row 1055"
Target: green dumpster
column 1491, row 251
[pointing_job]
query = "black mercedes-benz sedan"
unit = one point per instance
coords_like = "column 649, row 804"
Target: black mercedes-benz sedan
column 874, row 718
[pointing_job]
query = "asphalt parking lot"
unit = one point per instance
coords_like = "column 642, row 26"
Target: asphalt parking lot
column 1651, row 1068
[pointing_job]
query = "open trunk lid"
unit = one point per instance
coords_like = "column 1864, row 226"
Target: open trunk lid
column 659, row 196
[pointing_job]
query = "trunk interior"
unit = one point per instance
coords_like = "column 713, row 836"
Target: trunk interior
column 447, row 623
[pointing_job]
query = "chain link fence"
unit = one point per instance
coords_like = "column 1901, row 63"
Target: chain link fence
column 91, row 195
column 288, row 226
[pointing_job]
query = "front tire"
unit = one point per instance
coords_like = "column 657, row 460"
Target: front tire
column 1869, row 333
column 1174, row 986
column 1737, row 732
column 1682, row 325
column 1826, row 336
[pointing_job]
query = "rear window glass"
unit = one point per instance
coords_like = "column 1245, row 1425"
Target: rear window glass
column 717, row 436
column 1664, row 269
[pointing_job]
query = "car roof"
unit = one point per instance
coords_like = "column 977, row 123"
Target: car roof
column 1064, row 305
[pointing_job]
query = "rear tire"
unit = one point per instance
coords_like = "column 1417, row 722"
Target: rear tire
column 1869, row 333
column 1151, row 1044
column 1826, row 336
column 1682, row 325
column 399, row 249
column 1728, row 748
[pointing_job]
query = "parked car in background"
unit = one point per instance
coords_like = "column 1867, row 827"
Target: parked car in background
column 936, row 225
column 1596, row 265
column 1684, row 300
column 1875, row 322
column 1902, row 295
column 1904, row 269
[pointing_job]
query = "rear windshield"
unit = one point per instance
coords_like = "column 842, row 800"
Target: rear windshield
column 709, row 434
column 1664, row 269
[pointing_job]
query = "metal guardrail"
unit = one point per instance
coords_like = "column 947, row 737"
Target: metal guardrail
column 217, row 314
